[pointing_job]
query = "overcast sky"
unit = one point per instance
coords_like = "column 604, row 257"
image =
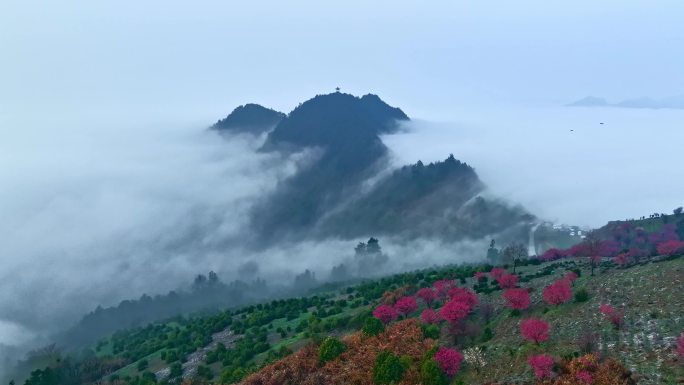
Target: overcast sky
column 75, row 62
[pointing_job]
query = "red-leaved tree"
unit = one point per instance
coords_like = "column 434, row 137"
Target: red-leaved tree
column 635, row 254
column 594, row 249
column 449, row 360
column 541, row 364
column 670, row 248
column 496, row 273
column 680, row 346
column 427, row 294
column 571, row 276
column 558, row 292
column 443, row 286
column 507, row 281
column 551, row 255
column 406, row 305
column 622, row 259
column 429, row 316
column 385, row 313
column 517, row 299
column 480, row 276
column 463, row 294
column 535, row 330
column 454, row 311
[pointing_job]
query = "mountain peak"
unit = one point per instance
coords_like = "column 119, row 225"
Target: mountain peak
column 336, row 119
column 374, row 102
column 251, row 118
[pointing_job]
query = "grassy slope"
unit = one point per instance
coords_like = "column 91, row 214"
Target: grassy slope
column 294, row 341
column 651, row 294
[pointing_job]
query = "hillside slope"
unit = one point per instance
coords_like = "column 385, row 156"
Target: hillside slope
column 228, row 346
column 491, row 340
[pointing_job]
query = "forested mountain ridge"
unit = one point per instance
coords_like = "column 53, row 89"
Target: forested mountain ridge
column 206, row 294
column 345, row 130
column 440, row 199
column 329, row 198
column 250, row 118
column 337, row 121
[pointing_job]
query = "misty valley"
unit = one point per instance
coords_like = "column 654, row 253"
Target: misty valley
column 344, row 192
column 341, row 192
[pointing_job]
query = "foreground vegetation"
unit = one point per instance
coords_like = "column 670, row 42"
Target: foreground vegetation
column 569, row 317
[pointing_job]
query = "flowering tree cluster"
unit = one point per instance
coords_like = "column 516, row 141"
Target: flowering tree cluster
column 496, row 273
column 671, row 248
column 507, row 281
column 391, row 296
column 454, row 311
column 461, row 303
column 449, row 360
column 517, row 299
column 542, row 365
column 585, row 377
column 458, row 302
column 462, row 294
column 614, row 316
column 553, row 254
column 427, row 294
column 626, row 243
column 535, row 330
column 406, row 305
column 637, row 254
column 385, row 313
column 443, row 286
column 430, row 317
column 593, row 247
column 629, row 257
column 558, row 292
column 622, row 259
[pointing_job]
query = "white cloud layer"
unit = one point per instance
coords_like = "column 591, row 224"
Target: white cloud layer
column 95, row 215
column 562, row 163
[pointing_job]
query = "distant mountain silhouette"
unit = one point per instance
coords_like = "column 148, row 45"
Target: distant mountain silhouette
column 673, row 102
column 589, row 101
column 251, row 118
column 332, row 196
